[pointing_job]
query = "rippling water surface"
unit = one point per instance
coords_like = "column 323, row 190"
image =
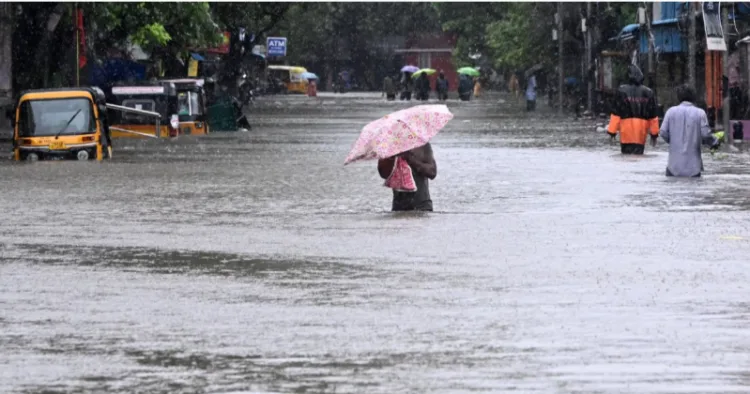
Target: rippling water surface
column 256, row 262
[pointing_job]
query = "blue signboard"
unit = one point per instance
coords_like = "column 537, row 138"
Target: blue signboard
column 276, row 46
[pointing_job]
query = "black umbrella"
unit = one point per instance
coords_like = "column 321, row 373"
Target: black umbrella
column 532, row 70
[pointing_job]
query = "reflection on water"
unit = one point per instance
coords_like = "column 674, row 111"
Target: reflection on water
column 256, row 262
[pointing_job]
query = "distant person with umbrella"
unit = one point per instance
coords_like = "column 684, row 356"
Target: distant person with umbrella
column 465, row 86
column 423, row 87
column 406, row 86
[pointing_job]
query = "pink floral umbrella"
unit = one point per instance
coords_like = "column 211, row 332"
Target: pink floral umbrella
column 399, row 132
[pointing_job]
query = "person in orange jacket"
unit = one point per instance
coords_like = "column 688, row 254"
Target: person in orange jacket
column 634, row 114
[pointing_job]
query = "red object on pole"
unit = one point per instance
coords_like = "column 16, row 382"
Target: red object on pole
column 81, row 39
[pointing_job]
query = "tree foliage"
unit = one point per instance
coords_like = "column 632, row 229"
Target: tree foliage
column 163, row 29
column 324, row 36
column 469, row 21
column 520, row 39
column 516, row 36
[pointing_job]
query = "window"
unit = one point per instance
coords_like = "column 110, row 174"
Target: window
column 424, row 60
column 188, row 104
column 195, row 104
column 142, row 104
column 43, row 118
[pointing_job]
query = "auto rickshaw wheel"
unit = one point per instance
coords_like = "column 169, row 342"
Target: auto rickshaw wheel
column 32, row 157
column 83, row 155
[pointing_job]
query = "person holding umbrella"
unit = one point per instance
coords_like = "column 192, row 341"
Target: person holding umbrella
column 400, row 143
column 465, row 84
column 423, row 87
column 406, row 85
column 423, row 167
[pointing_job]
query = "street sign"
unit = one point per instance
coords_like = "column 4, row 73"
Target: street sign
column 276, row 46
column 712, row 24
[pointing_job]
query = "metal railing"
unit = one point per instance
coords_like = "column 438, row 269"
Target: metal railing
column 157, row 130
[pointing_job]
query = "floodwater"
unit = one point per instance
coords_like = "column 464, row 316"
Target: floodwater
column 256, row 262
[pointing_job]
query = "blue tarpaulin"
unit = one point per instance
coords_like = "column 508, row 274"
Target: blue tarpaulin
column 197, row 57
column 114, row 70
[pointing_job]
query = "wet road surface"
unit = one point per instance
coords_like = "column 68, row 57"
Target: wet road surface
column 256, row 262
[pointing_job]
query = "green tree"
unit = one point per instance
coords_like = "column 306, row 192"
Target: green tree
column 521, row 38
column 469, row 21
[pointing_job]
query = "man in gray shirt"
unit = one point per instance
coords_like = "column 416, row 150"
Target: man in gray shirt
column 685, row 128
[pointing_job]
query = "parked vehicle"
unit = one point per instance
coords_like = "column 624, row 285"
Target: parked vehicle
column 153, row 111
column 191, row 104
column 291, row 77
column 61, row 124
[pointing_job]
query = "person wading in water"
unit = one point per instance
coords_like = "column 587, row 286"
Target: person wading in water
column 634, row 114
column 423, row 167
column 685, row 128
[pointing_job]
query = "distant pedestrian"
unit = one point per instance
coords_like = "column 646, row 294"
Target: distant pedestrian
column 442, row 87
column 464, row 88
column 685, row 128
column 514, row 86
column 389, row 89
column 531, row 93
column 477, row 88
column 406, row 85
column 423, row 87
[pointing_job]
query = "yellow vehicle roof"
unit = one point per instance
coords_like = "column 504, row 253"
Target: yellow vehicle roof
column 56, row 94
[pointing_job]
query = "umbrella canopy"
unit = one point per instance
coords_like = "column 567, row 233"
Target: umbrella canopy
column 409, row 69
column 427, row 71
column 308, row 76
column 399, row 132
column 470, row 71
column 532, row 70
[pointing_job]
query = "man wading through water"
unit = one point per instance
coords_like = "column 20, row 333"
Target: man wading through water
column 423, row 167
column 634, row 115
column 685, row 128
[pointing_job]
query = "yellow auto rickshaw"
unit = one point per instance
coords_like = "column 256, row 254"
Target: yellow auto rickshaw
column 146, row 110
column 191, row 106
column 61, row 123
column 291, row 76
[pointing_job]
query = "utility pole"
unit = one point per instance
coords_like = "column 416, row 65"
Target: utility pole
column 691, row 44
column 6, row 57
column 560, row 38
column 726, row 107
column 589, row 89
column 651, row 63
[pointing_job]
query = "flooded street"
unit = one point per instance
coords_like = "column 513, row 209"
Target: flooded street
column 257, row 262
